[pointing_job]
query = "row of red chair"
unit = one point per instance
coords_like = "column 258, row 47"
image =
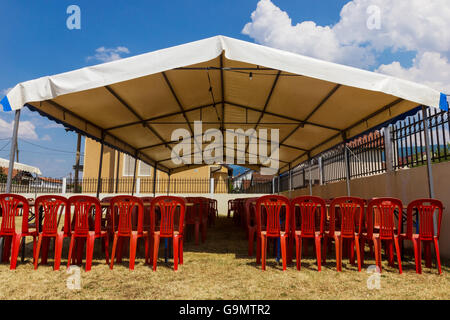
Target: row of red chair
column 350, row 219
column 125, row 219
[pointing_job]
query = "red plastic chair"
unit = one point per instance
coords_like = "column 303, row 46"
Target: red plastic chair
column 168, row 207
column 123, row 207
column 197, row 215
column 52, row 207
column 385, row 208
column 312, row 211
column 272, row 205
column 427, row 233
column 349, row 211
column 11, row 205
column 250, row 210
column 84, row 231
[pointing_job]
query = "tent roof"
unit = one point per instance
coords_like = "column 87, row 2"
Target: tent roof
column 134, row 104
column 19, row 166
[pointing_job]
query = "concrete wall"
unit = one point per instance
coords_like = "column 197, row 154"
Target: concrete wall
column 407, row 185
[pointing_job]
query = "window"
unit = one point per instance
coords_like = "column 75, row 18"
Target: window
column 128, row 166
column 144, row 169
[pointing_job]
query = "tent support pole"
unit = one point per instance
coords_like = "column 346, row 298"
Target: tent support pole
column 134, row 175
column 99, row 178
column 154, row 179
column 428, row 151
column 168, row 185
column 347, row 169
column 117, row 172
column 13, row 151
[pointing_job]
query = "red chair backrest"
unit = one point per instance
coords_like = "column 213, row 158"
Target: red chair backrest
column 386, row 210
column 124, row 208
column 84, row 207
column 350, row 212
column 52, row 205
column 272, row 205
column 11, row 204
column 168, row 206
column 195, row 212
column 427, row 209
column 312, row 212
column 250, row 212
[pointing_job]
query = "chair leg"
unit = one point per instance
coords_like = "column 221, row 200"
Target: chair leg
column 258, row 249
column 438, row 256
column 338, row 245
column 58, row 250
column 298, row 251
column 377, row 249
column 399, row 257
column 417, row 255
column 147, row 240
column 119, row 252
column 7, row 248
column 283, row 250
column 263, row 251
column 358, row 252
column 113, row 252
column 89, row 250
column 391, row 253
column 155, row 250
column 15, row 250
column 36, row 256
column 72, row 241
column 362, row 248
column 133, row 247
column 175, row 252
column 352, row 251
column 181, row 249
column 318, row 252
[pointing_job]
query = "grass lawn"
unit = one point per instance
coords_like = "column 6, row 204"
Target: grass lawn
column 221, row 269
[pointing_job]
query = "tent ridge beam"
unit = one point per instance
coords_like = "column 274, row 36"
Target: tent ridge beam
column 269, row 97
column 328, row 96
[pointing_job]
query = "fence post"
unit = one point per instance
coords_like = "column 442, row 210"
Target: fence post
column 347, row 168
column 273, row 185
column 138, row 186
column 321, row 177
column 211, row 186
column 310, row 176
column 389, row 157
column 64, row 186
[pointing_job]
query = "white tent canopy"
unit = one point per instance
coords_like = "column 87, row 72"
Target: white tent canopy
column 134, row 104
column 19, row 166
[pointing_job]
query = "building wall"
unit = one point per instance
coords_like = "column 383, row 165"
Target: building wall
column 407, row 185
column 109, row 166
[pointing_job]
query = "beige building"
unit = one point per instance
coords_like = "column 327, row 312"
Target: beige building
column 118, row 171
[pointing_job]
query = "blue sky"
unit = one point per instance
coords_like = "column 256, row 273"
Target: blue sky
column 36, row 42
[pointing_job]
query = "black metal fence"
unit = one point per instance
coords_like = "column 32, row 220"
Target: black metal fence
column 367, row 155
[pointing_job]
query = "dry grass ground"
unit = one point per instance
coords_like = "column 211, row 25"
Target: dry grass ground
column 220, row 269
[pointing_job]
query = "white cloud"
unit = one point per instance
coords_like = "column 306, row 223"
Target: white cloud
column 103, row 54
column 46, row 138
column 429, row 68
column 273, row 27
column 27, row 130
column 420, row 26
column 4, row 92
column 416, row 25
